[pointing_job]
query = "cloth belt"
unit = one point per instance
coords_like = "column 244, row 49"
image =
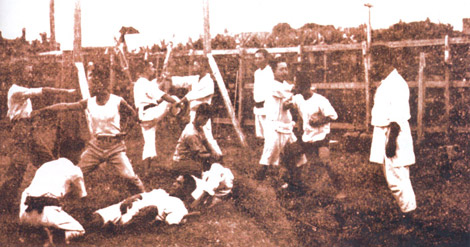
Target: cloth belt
column 110, row 138
column 149, row 106
column 38, row 203
column 152, row 104
column 259, row 104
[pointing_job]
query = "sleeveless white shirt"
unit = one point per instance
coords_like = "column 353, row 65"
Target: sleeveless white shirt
column 104, row 119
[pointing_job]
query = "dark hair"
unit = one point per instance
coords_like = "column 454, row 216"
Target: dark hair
column 140, row 66
column 275, row 62
column 100, row 72
column 203, row 62
column 204, row 109
column 187, row 187
column 264, row 52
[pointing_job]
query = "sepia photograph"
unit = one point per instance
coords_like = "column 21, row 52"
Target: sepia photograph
column 234, row 123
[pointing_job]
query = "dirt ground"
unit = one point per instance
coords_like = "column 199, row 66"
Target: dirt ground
column 264, row 214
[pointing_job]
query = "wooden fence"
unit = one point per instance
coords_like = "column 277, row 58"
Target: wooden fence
column 365, row 86
column 244, row 82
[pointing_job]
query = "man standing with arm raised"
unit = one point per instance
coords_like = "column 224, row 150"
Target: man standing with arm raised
column 104, row 112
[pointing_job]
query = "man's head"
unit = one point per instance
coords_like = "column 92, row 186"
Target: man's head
column 183, row 187
column 145, row 69
column 99, row 79
column 280, row 69
column 303, row 84
column 201, row 66
column 261, row 58
column 203, row 114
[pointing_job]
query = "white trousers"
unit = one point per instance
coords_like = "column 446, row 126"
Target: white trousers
column 274, row 143
column 259, row 125
column 398, row 180
column 51, row 216
column 150, row 118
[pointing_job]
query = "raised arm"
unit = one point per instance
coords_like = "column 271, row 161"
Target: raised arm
column 37, row 92
column 75, row 106
column 52, row 90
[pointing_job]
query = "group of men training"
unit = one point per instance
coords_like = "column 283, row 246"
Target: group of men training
column 200, row 179
column 291, row 119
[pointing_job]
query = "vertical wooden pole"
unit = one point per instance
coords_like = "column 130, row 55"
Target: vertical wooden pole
column 325, row 67
column 240, row 83
column 447, row 87
column 207, row 29
column 111, row 71
column 52, row 25
column 366, row 57
column 77, row 27
column 353, row 65
column 421, row 95
column 225, row 96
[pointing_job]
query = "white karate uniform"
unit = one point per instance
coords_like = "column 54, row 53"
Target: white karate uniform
column 279, row 125
column 145, row 93
column 391, row 104
column 54, row 179
column 316, row 103
column 19, row 102
column 261, row 86
column 170, row 209
column 201, row 91
column 218, row 180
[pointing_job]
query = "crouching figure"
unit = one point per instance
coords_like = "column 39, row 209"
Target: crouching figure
column 41, row 203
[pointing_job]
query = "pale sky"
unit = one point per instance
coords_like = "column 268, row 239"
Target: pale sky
column 164, row 19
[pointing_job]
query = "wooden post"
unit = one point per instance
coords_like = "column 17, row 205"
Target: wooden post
column 421, row 95
column 366, row 57
column 112, row 76
column 447, row 88
column 325, row 66
column 77, row 28
column 225, row 96
column 240, row 84
column 167, row 83
column 299, row 54
column 123, row 61
column 207, row 29
column 217, row 75
column 52, row 25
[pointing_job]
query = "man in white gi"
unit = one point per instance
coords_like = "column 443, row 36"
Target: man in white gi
column 202, row 90
column 188, row 193
column 107, row 141
column 152, row 105
column 392, row 144
column 262, row 83
column 41, row 203
column 214, row 185
column 279, row 124
column 25, row 149
column 144, row 208
column 315, row 113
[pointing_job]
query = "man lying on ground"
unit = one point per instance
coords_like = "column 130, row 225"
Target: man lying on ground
column 188, row 193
